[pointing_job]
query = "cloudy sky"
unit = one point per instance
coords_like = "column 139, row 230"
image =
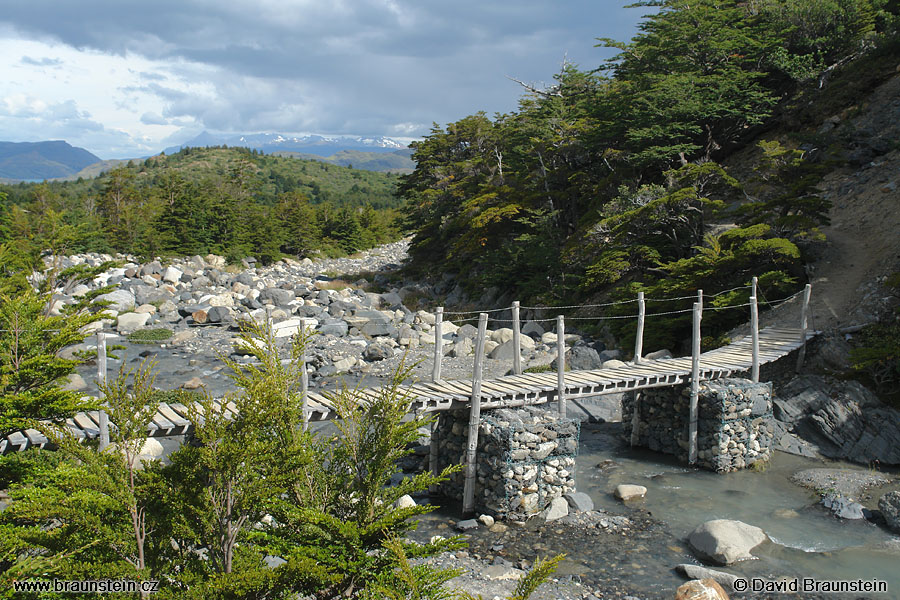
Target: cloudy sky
column 126, row 79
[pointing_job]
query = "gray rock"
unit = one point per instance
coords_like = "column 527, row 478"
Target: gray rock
column 377, row 351
column 726, row 580
column 466, row 525
column 579, row 501
column 276, row 296
column 172, row 275
column 840, row 419
column 726, row 542
column 557, row 509
column 336, row 327
column 219, row 314
column 467, row 331
column 75, row 383
column 119, row 300
column 462, row 348
column 532, row 329
column 581, row 358
column 391, row 300
column 131, row 322
column 889, row 505
column 658, row 355
column 843, row 508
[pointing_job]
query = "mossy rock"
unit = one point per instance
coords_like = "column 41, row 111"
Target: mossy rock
column 150, row 336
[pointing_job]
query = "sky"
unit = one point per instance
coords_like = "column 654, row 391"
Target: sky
column 126, row 79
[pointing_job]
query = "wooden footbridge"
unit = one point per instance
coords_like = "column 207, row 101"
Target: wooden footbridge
column 519, row 389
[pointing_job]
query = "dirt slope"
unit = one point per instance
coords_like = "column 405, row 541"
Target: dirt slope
column 864, row 235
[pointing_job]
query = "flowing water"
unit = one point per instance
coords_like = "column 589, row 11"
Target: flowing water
column 807, row 541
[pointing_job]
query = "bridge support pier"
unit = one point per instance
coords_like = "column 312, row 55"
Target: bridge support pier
column 735, row 427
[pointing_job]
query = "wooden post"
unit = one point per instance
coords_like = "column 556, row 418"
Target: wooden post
column 754, row 332
column 517, row 340
column 561, row 364
column 304, row 377
column 474, row 418
column 438, row 344
column 433, row 455
column 639, row 336
column 695, row 385
column 804, row 309
column 636, row 419
column 101, row 379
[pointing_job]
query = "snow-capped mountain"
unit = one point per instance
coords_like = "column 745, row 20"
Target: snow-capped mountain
column 307, row 144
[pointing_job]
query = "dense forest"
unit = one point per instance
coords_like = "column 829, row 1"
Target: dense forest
column 611, row 181
column 229, row 201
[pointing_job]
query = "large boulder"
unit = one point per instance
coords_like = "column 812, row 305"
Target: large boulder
column 889, row 505
column 120, row 300
column 725, row 542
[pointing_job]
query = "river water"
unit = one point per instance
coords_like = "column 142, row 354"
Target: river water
column 807, row 541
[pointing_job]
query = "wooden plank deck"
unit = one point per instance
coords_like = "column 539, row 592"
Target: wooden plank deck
column 508, row 390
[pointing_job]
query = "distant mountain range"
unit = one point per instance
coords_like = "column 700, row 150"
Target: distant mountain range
column 370, row 154
column 307, row 144
column 42, row 160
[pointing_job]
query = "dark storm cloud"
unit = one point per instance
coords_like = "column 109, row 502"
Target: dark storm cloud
column 361, row 66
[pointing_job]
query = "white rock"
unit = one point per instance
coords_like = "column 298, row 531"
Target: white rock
column 503, row 335
column 172, row 275
column 75, row 383
column 725, row 541
column 557, row 509
column 627, row 492
column 487, row 520
column 121, row 300
column 131, row 322
column 405, row 501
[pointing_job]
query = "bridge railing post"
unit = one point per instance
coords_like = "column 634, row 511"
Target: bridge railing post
column 101, row 380
column 561, row 364
column 517, row 339
column 304, row 374
column 804, row 313
column 639, row 336
column 438, row 344
column 474, row 418
column 754, row 332
column 695, row 384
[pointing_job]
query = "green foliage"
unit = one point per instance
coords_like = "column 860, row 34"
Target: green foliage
column 607, row 175
column 30, row 368
column 83, row 514
column 227, row 201
column 150, row 336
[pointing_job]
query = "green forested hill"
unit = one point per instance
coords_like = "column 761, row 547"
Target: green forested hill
column 609, row 182
column 232, row 201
